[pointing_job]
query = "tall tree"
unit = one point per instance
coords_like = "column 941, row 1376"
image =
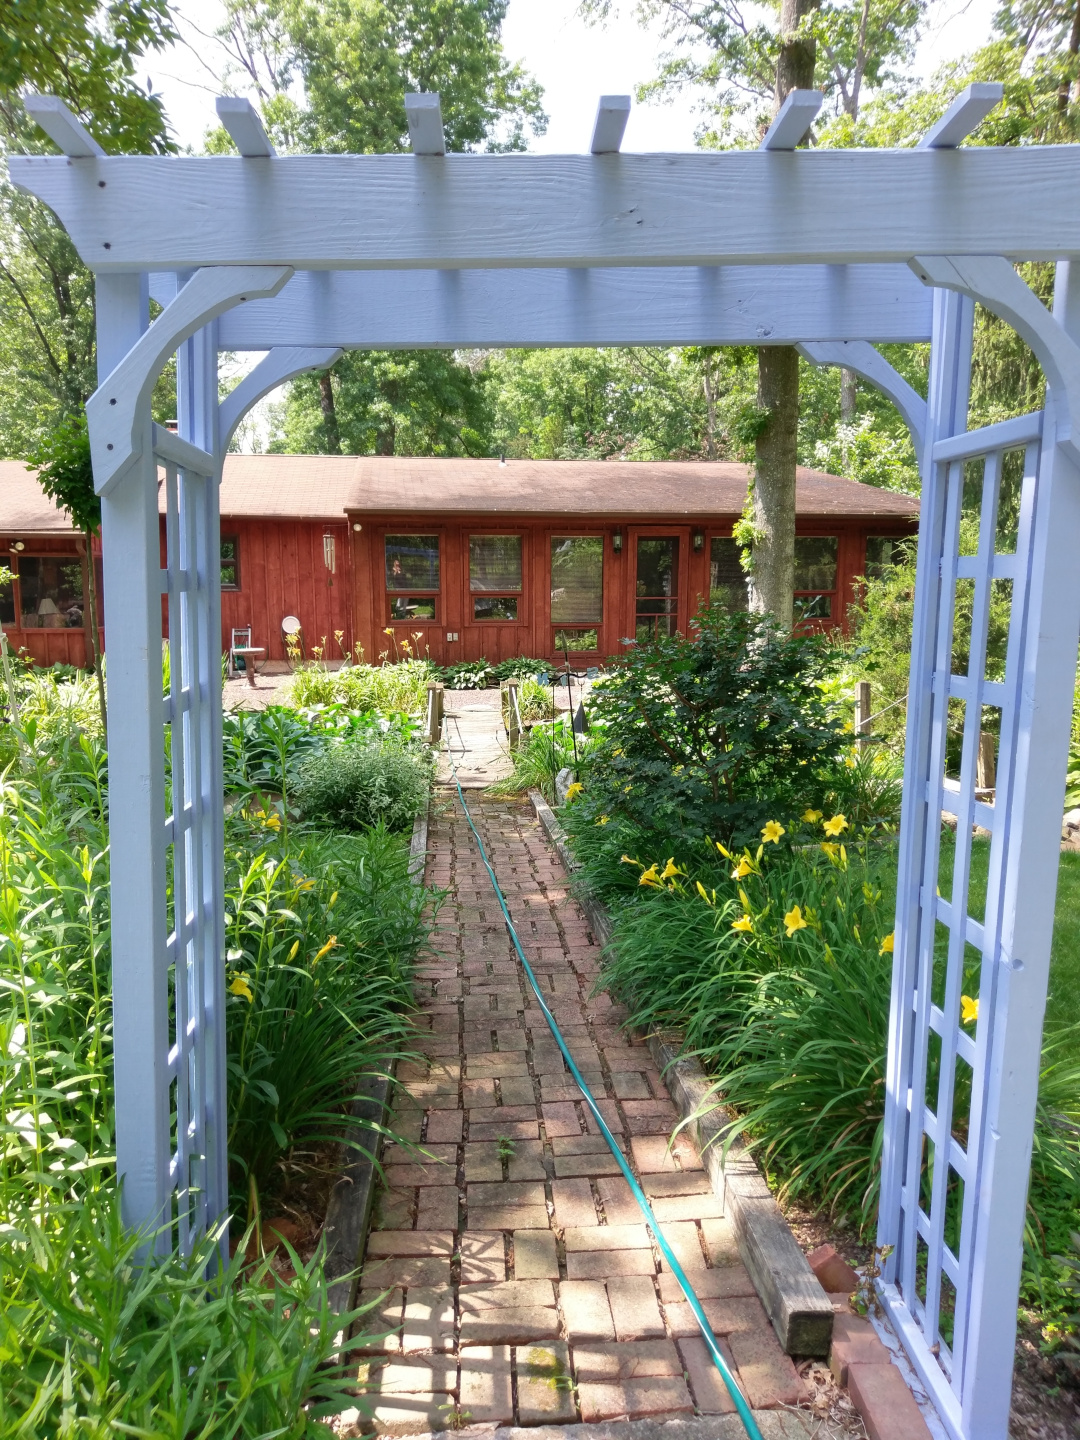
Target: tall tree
column 745, row 59
column 86, row 53
column 353, row 62
column 772, row 502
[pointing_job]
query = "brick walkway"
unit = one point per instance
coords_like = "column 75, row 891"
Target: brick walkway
column 523, row 1284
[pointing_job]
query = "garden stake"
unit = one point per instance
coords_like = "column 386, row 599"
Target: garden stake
column 745, row 1414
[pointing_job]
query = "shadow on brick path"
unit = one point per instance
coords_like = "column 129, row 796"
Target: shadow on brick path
column 523, row 1287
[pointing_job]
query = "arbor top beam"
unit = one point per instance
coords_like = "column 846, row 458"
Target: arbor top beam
column 315, row 212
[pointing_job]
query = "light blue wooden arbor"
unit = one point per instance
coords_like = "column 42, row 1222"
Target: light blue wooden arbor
column 831, row 250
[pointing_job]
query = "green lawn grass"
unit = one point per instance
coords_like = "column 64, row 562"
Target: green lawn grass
column 1063, row 1001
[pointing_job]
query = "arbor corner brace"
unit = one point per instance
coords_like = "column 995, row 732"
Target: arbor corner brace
column 993, row 282
column 114, row 412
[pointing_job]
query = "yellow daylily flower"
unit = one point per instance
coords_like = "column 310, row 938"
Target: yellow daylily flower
column 723, row 851
column 886, row 945
column 603, row 820
column 670, row 870
column 325, row 949
column 831, row 848
column 240, row 986
column 705, row 894
column 811, row 816
column 270, row 819
column 743, row 868
column 389, row 630
column 743, row 923
column 969, row 1009
column 629, row 860
column 837, row 825
column 850, row 762
column 794, row 920
column 651, row 876
column 574, row 790
column 772, row 832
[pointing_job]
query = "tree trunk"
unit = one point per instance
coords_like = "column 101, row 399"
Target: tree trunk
column 1073, row 48
column 773, row 573
column 329, row 411
column 710, row 409
column 95, row 633
column 847, row 397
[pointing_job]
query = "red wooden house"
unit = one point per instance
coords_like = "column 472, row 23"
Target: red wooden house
column 466, row 558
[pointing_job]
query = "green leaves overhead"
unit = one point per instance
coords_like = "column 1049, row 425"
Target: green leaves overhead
column 353, row 62
column 86, row 53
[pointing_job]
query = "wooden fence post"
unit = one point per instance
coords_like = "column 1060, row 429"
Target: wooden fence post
column 862, row 712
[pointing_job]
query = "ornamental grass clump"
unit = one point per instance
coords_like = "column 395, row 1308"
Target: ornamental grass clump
column 351, row 786
column 400, row 687
column 713, row 733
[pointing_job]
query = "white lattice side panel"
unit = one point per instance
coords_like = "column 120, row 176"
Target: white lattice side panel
column 977, row 531
column 193, row 838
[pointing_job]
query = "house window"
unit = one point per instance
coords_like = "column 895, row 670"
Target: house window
column 230, row 562
column 815, row 576
column 7, row 603
column 412, row 576
column 882, row 553
column 727, row 579
column 495, row 576
column 577, row 580
column 576, row 639
column 50, row 593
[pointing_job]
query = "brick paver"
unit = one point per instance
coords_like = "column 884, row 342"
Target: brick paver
column 522, row 1284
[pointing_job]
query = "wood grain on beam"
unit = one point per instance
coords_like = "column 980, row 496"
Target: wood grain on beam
column 386, row 211
column 754, row 305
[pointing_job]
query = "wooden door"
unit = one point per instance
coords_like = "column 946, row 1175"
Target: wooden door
column 659, row 597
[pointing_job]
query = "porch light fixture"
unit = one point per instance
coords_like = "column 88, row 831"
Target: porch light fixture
column 358, row 528
column 699, row 540
column 616, row 542
column 16, row 546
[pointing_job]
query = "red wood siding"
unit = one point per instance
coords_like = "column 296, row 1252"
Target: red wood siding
column 533, row 633
column 47, row 646
column 283, row 572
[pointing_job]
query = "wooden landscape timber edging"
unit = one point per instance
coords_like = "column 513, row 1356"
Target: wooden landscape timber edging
column 348, row 1215
column 800, row 1310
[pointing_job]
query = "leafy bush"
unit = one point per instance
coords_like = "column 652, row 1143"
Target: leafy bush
column 468, row 675
column 712, row 734
column 545, row 750
column 520, row 667
column 158, row 1349
column 776, row 964
column 320, row 936
column 264, row 749
column 400, row 688
column 354, row 787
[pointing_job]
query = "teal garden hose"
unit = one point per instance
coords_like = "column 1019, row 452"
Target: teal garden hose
column 744, row 1411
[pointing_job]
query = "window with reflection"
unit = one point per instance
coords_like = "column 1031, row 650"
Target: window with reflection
column 815, row 576
column 882, row 553
column 495, row 576
column 412, row 568
column 50, row 593
column 727, row 579
column 577, row 580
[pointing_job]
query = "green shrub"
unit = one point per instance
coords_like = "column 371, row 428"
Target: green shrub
column 400, row 688
column 264, row 749
column 353, row 787
column 468, row 675
column 713, row 734
column 158, row 1350
column 320, row 936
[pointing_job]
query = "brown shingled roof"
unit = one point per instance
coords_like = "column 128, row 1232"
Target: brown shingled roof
column 324, row 487
column 24, row 508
